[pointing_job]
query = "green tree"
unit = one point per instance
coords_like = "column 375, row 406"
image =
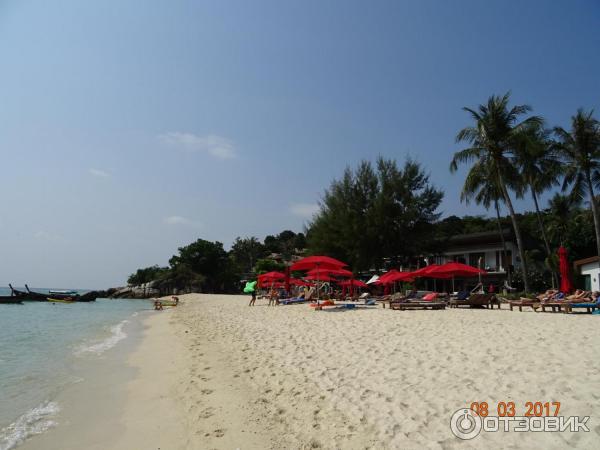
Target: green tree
column 491, row 141
column 580, row 150
column 268, row 265
column 560, row 209
column 208, row 259
column 146, row 275
column 285, row 243
column 246, row 252
column 375, row 213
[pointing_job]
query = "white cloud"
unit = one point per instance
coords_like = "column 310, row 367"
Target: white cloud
column 181, row 221
column 305, row 210
column 217, row 146
column 99, row 173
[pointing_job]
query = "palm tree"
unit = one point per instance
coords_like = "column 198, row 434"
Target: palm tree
column 484, row 189
column 492, row 139
column 580, row 150
column 561, row 207
column 536, row 158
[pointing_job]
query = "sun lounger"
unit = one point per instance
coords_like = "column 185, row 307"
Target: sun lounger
column 589, row 306
column 292, row 301
column 522, row 303
column 554, row 306
column 389, row 299
column 476, row 300
column 417, row 305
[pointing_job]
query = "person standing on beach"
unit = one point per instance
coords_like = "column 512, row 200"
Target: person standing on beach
column 251, row 289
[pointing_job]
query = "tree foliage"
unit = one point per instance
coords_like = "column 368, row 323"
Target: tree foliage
column 374, row 213
column 146, row 275
column 245, row 252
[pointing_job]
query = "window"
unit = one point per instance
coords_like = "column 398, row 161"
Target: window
column 474, row 259
column 503, row 263
column 459, row 259
column 587, row 282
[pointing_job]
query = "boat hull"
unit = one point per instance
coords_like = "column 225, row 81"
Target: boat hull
column 10, row 300
column 60, row 300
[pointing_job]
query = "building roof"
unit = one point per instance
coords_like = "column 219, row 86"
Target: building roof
column 581, row 262
column 484, row 237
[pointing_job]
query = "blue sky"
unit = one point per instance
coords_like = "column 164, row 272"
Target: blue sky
column 130, row 128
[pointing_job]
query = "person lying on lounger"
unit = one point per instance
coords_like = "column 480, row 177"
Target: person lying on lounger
column 549, row 294
column 579, row 294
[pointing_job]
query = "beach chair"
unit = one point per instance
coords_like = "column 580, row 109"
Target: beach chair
column 476, row 300
column 398, row 297
column 553, row 306
column 295, row 300
column 521, row 303
column 402, row 306
column 589, row 306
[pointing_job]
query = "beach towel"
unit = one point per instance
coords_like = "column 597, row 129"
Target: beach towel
column 462, row 295
column 430, row 297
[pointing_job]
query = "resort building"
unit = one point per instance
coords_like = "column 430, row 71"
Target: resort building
column 589, row 269
column 483, row 250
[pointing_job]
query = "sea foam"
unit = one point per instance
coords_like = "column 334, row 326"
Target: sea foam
column 35, row 421
column 117, row 334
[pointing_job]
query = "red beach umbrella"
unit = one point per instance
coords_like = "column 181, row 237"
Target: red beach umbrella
column 566, row 286
column 394, row 275
column 384, row 279
column 297, row 282
column 429, row 272
column 456, row 269
column 272, row 276
column 320, row 277
column 353, row 283
column 316, row 262
column 329, row 272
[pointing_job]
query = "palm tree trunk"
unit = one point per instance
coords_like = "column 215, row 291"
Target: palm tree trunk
column 594, row 211
column 517, row 230
column 508, row 276
column 546, row 243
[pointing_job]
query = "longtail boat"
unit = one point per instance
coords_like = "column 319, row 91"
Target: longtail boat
column 28, row 296
column 10, row 299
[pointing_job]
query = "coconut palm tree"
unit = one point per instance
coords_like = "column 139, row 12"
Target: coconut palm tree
column 580, row 151
column 481, row 186
column 536, row 158
column 492, row 139
column 561, row 207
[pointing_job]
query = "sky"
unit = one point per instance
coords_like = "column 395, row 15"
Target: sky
column 129, row 128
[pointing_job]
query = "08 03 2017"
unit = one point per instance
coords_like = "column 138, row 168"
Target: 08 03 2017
column 512, row 409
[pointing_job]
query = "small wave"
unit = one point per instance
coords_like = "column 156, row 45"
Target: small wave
column 117, row 334
column 35, row 421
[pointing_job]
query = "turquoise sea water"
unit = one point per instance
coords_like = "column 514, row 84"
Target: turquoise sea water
column 40, row 346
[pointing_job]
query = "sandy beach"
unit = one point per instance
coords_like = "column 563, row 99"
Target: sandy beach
column 223, row 375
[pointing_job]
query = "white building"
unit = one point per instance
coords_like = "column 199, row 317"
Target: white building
column 589, row 268
column 485, row 247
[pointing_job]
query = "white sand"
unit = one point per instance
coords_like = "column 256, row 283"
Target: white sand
column 228, row 376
